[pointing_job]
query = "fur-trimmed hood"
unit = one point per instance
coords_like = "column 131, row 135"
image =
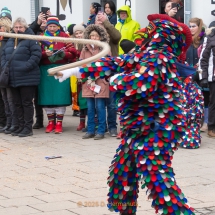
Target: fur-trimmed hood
column 209, row 30
column 100, row 30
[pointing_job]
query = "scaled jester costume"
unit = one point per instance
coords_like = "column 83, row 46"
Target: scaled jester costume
column 194, row 109
column 152, row 116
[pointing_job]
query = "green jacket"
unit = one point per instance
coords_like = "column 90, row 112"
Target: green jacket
column 129, row 27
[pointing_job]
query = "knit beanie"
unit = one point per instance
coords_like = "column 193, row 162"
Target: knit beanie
column 4, row 21
column 53, row 20
column 78, row 28
column 5, row 12
column 127, row 45
column 212, row 24
column 70, row 29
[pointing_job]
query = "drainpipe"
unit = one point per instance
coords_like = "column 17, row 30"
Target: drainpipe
column 187, row 11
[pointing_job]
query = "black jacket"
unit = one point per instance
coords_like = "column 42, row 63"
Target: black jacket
column 24, row 67
column 2, row 44
column 207, row 62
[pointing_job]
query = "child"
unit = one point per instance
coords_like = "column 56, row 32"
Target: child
column 95, row 91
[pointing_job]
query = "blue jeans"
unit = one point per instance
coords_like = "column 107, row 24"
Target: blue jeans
column 99, row 105
column 111, row 110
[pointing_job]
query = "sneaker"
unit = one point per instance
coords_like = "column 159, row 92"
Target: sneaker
column 25, row 133
column 38, row 125
column 113, row 132
column 11, row 129
column 211, row 133
column 119, row 136
column 15, row 133
column 84, row 129
column 88, row 135
column 204, row 128
column 99, row 136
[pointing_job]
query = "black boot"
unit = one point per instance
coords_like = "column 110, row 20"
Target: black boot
column 38, row 125
column 11, row 129
column 5, row 128
column 25, row 133
column 16, row 132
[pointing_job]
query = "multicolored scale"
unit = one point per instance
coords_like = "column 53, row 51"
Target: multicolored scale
column 194, row 108
column 153, row 121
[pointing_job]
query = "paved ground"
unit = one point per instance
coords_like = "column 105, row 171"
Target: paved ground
column 76, row 183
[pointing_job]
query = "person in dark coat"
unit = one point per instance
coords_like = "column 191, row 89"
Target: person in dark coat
column 7, row 106
column 110, row 10
column 198, row 33
column 207, row 65
column 24, row 75
column 94, row 9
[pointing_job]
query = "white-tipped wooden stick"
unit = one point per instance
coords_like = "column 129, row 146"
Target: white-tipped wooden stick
column 105, row 48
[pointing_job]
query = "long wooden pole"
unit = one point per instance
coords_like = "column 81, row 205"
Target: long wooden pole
column 54, row 71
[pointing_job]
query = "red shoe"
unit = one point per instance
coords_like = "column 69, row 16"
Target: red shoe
column 81, row 126
column 119, row 136
column 50, row 127
column 58, row 128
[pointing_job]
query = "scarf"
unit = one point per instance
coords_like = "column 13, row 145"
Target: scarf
column 49, row 44
column 90, row 18
column 121, row 21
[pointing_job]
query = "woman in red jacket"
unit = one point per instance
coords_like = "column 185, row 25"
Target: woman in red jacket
column 54, row 96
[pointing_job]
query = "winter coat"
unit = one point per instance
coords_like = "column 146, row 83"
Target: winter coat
column 2, row 44
column 89, row 51
column 115, row 37
column 129, row 27
column 207, row 59
column 113, row 19
column 70, row 53
column 24, row 67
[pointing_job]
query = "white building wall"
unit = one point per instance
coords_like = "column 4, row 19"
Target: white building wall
column 202, row 9
column 18, row 8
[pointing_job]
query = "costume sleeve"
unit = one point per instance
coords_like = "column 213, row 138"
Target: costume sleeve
column 104, row 68
column 204, row 62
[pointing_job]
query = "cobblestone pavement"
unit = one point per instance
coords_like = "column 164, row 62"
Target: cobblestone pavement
column 76, row 183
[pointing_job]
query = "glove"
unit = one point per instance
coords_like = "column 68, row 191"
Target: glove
column 68, row 73
column 204, row 83
column 55, row 57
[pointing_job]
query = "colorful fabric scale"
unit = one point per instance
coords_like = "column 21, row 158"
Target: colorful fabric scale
column 194, row 109
column 153, row 122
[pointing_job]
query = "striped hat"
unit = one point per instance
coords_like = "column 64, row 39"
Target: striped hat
column 5, row 12
column 53, row 20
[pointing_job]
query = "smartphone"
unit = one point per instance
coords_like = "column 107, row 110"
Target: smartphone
column 174, row 5
column 100, row 9
column 44, row 10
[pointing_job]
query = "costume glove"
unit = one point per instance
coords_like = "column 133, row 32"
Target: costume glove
column 69, row 72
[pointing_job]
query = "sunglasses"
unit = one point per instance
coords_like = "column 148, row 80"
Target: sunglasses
column 192, row 26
